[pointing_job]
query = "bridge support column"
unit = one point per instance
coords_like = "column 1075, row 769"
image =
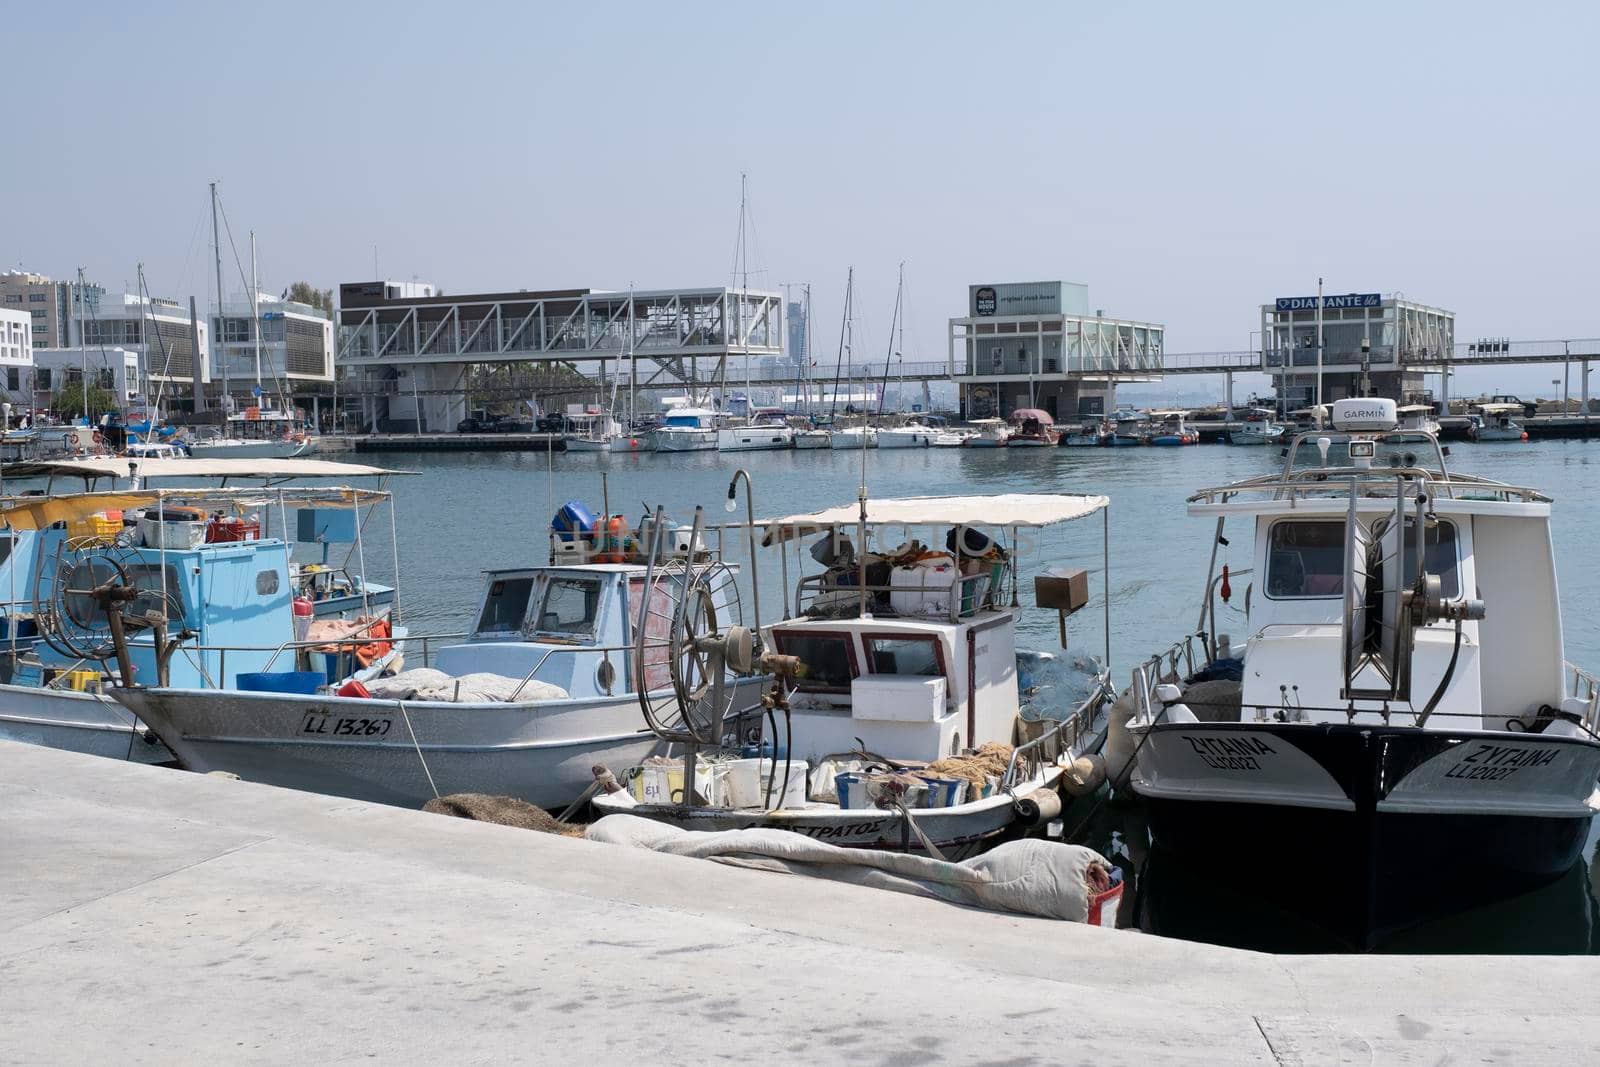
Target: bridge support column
column 1585, row 394
column 1228, row 394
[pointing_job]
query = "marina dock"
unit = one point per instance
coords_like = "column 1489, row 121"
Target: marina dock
column 177, row 917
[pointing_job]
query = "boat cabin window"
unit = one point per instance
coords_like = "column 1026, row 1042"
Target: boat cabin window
column 1439, row 556
column 147, row 578
column 7, row 542
column 506, row 605
column 826, row 661
column 569, row 607
column 1305, row 559
column 905, row 655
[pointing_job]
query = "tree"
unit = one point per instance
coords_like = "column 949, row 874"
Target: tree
column 68, row 401
column 306, row 293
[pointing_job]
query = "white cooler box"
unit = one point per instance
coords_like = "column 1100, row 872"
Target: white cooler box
column 923, row 588
column 892, row 698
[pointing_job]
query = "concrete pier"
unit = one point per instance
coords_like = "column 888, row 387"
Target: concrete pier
column 151, row 915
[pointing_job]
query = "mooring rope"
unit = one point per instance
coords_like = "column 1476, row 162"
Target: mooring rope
column 420, row 758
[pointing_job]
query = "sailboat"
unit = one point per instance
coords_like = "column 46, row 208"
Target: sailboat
column 599, row 431
column 861, row 435
column 258, row 431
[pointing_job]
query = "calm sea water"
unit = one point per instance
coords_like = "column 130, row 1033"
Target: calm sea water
column 464, row 512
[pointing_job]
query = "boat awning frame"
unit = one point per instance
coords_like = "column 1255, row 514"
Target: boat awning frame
column 37, row 513
column 1002, row 510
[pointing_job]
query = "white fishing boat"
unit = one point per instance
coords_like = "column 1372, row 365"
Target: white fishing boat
column 1496, row 422
column 1259, row 429
column 1398, row 728
column 988, row 433
column 1090, row 435
column 600, row 432
column 896, row 698
column 766, row 431
column 687, row 430
column 541, row 690
column 1417, row 419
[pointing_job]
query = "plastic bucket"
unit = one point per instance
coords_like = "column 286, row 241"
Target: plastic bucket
column 302, row 682
column 852, row 790
column 946, row 792
column 747, row 781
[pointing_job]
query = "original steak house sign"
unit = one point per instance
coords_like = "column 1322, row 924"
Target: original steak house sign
column 1330, row 303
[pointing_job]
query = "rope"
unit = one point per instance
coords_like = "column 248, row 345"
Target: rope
column 420, row 758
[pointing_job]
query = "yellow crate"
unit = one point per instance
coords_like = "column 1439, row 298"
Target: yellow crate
column 83, row 681
column 98, row 526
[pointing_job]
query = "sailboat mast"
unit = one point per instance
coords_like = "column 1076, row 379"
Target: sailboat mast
column 216, row 247
column 255, row 314
column 894, row 321
column 83, row 342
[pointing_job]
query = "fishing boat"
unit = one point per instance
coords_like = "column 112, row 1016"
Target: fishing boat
column 1399, row 727
column 767, row 430
column 1258, row 429
column 1088, row 435
column 897, row 690
column 687, row 430
column 189, row 587
column 540, row 691
column 1417, row 419
column 988, row 433
column 1032, row 428
column 599, row 431
column 1129, row 428
column 1496, row 422
column 1171, row 429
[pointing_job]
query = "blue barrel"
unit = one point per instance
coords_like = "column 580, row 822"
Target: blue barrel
column 574, row 520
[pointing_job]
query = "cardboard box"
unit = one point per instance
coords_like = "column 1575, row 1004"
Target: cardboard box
column 1061, row 590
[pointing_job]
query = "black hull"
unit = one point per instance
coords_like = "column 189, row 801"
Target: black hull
column 1366, row 873
column 1362, row 876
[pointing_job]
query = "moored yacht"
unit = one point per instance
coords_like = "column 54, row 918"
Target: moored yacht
column 687, row 430
column 1496, row 422
column 1259, row 429
column 765, row 431
column 1399, row 728
column 987, row 433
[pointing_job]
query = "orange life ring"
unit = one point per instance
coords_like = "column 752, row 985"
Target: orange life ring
column 99, row 438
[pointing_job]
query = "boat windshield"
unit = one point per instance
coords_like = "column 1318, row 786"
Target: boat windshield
column 568, row 607
column 506, row 605
column 1388, row 451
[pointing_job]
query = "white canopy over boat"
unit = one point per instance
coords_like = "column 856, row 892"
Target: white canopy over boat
column 1007, row 509
column 156, row 467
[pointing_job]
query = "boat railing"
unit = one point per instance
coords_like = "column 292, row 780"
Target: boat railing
column 969, row 594
column 1179, row 661
column 1027, row 759
column 1210, row 638
column 1586, row 687
column 1330, row 481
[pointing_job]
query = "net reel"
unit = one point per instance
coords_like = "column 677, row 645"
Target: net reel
column 90, row 596
column 689, row 636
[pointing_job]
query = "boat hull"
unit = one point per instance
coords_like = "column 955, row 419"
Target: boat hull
column 253, row 450
column 894, row 439
column 76, row 722
column 685, row 441
column 1372, row 828
column 1253, row 437
column 759, row 439
column 957, row 831
column 812, row 439
column 385, row 751
column 609, row 444
column 852, row 442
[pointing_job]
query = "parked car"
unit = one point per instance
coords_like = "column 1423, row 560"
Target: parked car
column 1529, row 408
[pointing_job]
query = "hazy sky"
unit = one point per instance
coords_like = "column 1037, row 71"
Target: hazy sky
column 1188, row 161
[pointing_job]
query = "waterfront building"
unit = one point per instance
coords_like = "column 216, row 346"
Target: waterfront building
column 404, row 353
column 159, row 332
column 1368, row 340
column 1038, row 345
column 114, row 369
column 51, row 306
column 296, row 347
column 16, row 352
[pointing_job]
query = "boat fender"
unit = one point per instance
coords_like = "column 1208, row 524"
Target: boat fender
column 1120, row 743
column 1084, row 775
column 1227, row 588
column 1038, row 807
